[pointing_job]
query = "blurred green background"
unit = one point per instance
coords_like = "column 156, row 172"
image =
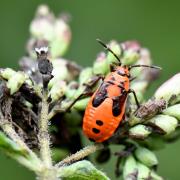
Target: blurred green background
column 155, row 24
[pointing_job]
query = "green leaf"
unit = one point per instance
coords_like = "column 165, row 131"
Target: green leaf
column 82, row 170
column 10, row 147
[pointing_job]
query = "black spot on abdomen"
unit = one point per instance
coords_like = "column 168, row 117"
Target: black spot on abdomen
column 99, row 122
column 95, row 130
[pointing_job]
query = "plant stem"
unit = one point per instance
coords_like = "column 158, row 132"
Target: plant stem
column 44, row 139
column 80, row 154
column 32, row 162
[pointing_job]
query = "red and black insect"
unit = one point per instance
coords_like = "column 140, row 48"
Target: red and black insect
column 106, row 107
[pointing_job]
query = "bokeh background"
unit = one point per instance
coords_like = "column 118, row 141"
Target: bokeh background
column 155, row 24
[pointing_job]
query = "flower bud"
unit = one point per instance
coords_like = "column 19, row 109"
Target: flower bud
column 81, row 104
column 57, row 90
column 170, row 90
column 143, row 171
column 173, row 111
column 154, row 176
column 146, row 156
column 85, row 75
column 130, row 52
column 130, row 57
column 101, row 65
column 130, row 168
column 134, row 120
column 15, row 82
column 164, row 123
column 139, row 131
column 42, row 28
column 139, row 87
column 71, row 89
column 115, row 47
column 7, row 73
column 61, row 40
column 43, row 10
column 60, row 71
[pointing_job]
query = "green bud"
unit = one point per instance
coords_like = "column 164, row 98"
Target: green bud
column 62, row 38
column 15, row 82
column 139, row 87
column 146, row 156
column 42, row 28
column 143, row 171
column 130, row 57
column 60, row 72
column 115, row 47
column 85, row 75
column 71, row 89
column 165, row 123
column 139, row 131
column 81, row 104
column 101, row 66
column 7, row 73
column 155, row 176
column 170, row 90
column 43, row 10
column 57, row 90
column 134, row 120
column 130, row 168
column 173, row 111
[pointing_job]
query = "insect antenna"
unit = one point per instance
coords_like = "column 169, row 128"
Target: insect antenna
column 109, row 49
column 143, row 65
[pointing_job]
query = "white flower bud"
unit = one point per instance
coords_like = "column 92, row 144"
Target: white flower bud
column 173, row 111
column 130, row 168
column 154, row 176
column 85, row 75
column 61, row 40
column 81, row 104
column 143, row 172
column 115, row 47
column 130, row 57
column 57, row 90
column 15, row 82
column 139, row 131
column 166, row 123
column 170, row 90
column 146, row 156
column 7, row 73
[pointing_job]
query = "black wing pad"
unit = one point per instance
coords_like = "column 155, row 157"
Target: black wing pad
column 101, row 95
column 118, row 103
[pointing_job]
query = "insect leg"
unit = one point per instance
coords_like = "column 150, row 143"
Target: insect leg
column 132, row 78
column 88, row 90
column 135, row 97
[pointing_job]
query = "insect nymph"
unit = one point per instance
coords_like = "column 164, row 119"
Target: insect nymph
column 106, row 107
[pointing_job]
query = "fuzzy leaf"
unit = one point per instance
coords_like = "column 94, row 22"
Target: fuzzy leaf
column 10, row 147
column 83, row 170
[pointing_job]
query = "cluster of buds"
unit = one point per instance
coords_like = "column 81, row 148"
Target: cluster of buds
column 63, row 85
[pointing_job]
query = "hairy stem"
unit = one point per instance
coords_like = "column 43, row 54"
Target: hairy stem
column 32, row 161
column 44, row 138
column 80, row 154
